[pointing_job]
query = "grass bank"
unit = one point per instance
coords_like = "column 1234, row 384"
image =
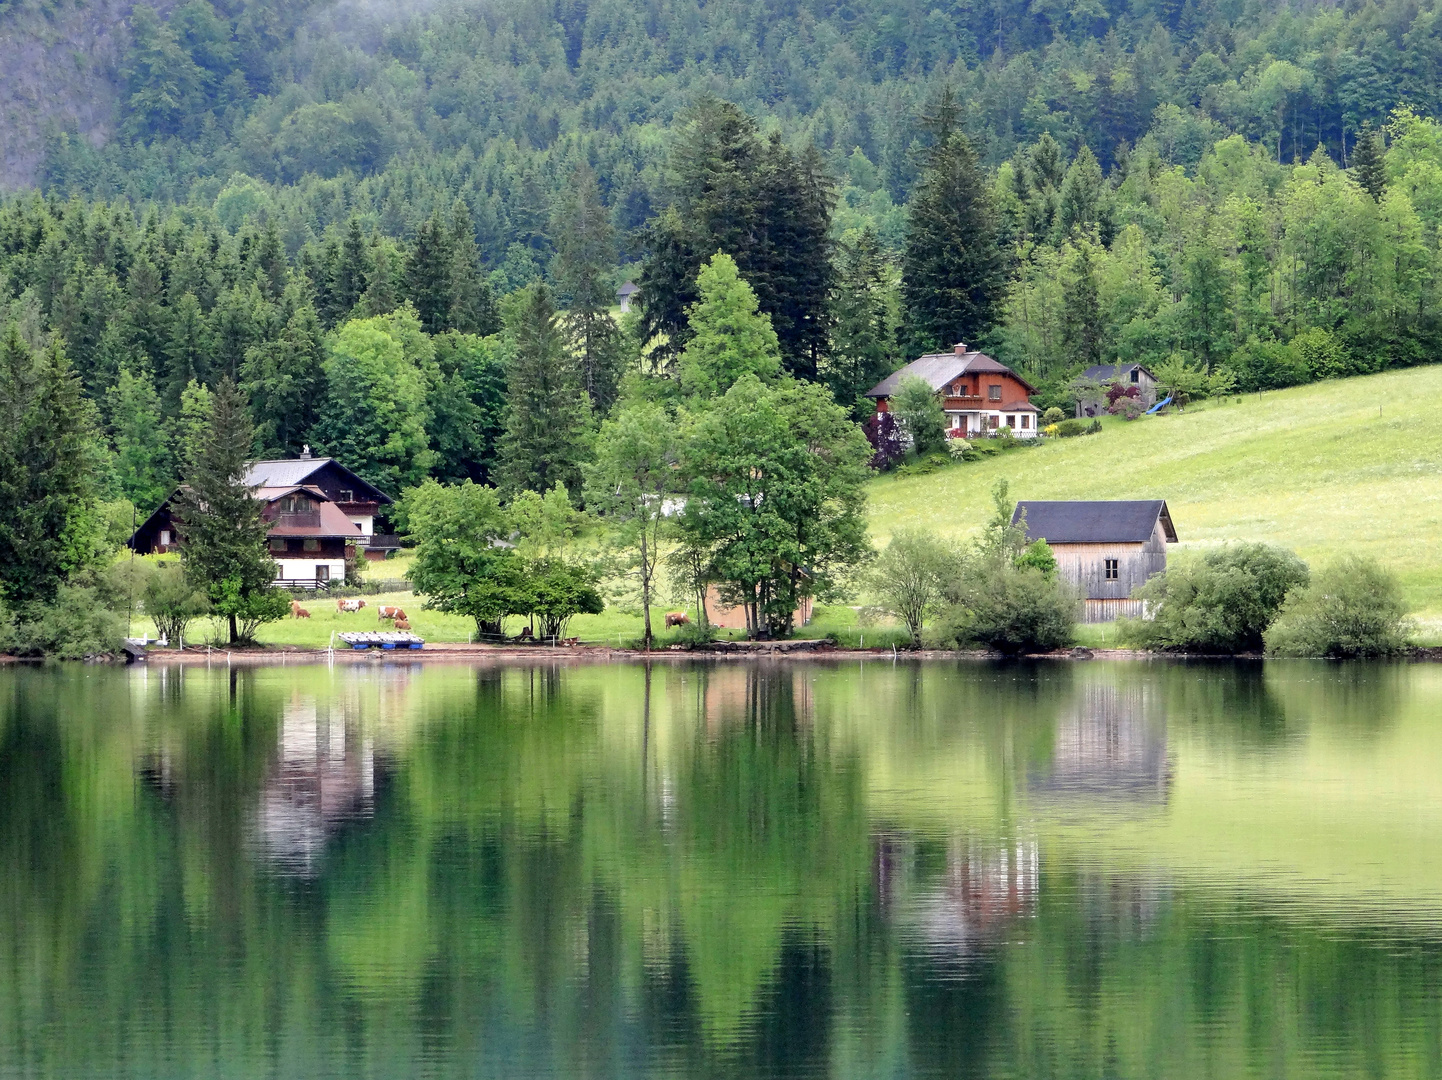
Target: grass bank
column 1348, row 466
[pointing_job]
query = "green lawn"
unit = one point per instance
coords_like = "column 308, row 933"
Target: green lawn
column 1353, row 465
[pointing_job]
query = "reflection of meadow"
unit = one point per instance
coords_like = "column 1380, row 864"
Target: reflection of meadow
column 610, row 869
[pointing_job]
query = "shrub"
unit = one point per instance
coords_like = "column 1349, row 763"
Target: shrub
column 1326, row 357
column 920, row 415
column 77, row 624
column 1222, row 602
column 1094, row 427
column 1069, row 429
column 1267, row 365
column 172, row 601
column 957, row 448
column 1353, row 608
column 910, row 576
column 1052, row 416
column 884, row 435
column 1010, row 608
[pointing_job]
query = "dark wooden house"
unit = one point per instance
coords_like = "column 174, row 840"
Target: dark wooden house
column 1105, row 549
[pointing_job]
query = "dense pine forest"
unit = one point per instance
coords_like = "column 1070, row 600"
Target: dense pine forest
column 398, row 232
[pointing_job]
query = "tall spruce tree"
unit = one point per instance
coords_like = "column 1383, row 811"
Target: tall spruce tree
column 1367, row 166
column 585, row 253
column 473, row 305
column 50, row 530
column 863, row 335
column 546, row 427
column 427, row 280
column 142, row 456
column 348, row 276
column 762, row 204
column 284, row 378
column 953, row 276
column 219, row 520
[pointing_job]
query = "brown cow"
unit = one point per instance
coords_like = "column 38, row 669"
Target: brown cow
column 299, row 612
column 401, row 624
column 388, row 611
column 677, row 618
column 525, row 634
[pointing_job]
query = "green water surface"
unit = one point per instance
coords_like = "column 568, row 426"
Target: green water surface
column 772, row 870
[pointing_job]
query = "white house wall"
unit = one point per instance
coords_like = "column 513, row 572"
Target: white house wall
column 303, row 570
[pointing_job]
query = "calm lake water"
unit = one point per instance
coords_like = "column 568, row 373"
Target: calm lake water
column 789, row 870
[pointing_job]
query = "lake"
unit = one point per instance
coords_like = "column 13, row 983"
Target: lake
column 1091, row 869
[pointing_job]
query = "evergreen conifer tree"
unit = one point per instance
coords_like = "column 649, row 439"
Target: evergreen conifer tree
column 220, row 524
column 427, row 282
column 284, row 379
column 49, row 531
column 348, row 278
column 191, row 423
column 729, row 337
column 142, row 458
column 1367, row 166
column 953, row 272
column 473, row 304
column 863, row 337
column 546, row 426
column 187, row 348
column 1082, row 316
column 380, row 296
column 585, row 252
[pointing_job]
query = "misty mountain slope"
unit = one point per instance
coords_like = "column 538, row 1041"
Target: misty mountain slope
column 58, row 67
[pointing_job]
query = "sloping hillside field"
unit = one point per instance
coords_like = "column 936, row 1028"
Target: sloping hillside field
column 1351, row 465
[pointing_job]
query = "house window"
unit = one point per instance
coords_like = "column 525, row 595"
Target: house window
column 346, row 495
column 277, row 543
column 993, row 392
column 1113, row 569
column 312, row 543
column 322, row 572
column 1025, row 421
column 993, row 421
column 164, row 537
column 1136, row 375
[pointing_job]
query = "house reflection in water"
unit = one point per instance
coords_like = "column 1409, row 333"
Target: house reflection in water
column 985, row 888
column 323, row 779
column 1110, row 745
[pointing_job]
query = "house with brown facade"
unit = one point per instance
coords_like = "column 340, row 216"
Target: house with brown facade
column 316, row 509
column 1104, row 549
column 979, row 395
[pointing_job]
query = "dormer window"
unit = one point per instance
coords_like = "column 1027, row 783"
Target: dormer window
column 346, row 495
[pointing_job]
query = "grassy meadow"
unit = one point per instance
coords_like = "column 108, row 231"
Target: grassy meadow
column 1346, row 466
column 1350, row 465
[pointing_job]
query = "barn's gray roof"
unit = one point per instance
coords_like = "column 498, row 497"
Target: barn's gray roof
column 1095, row 522
column 938, row 369
column 628, row 289
column 291, row 472
column 1103, row 372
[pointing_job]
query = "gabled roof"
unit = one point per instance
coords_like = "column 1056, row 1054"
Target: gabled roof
column 628, row 289
column 290, row 472
column 1104, row 372
column 939, row 369
column 1095, row 522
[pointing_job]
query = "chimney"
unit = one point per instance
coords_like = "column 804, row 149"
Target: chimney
column 961, row 348
column 305, row 452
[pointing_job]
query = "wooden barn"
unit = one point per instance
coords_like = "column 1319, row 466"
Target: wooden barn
column 1105, row 549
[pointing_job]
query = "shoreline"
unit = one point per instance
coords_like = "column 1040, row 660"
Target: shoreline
column 579, row 654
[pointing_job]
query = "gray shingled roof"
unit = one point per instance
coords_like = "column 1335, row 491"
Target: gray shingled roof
column 290, row 472
column 1105, row 372
column 938, row 369
column 1095, row 522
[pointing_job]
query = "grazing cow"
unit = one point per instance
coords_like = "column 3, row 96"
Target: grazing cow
column 300, row 612
column 525, row 634
column 389, row 611
column 295, row 609
column 677, row 618
column 349, row 605
column 401, row 624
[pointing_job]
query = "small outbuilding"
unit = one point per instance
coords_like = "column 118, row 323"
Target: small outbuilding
column 1105, row 549
column 626, row 295
column 1096, row 380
